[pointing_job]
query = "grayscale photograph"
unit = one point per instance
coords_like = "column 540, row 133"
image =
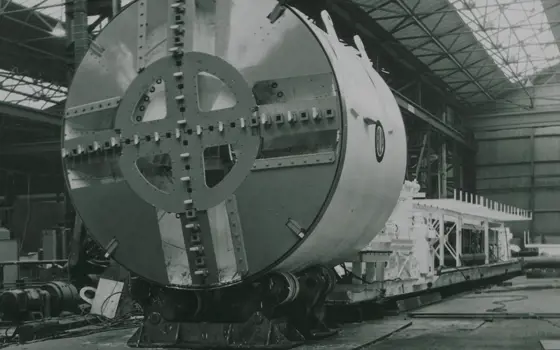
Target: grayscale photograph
column 280, row 174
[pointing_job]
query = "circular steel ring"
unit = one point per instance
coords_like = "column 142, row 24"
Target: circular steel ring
column 186, row 151
column 379, row 142
column 292, row 285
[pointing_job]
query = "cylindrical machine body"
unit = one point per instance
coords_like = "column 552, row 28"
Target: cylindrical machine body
column 539, row 262
column 50, row 299
column 64, row 297
column 206, row 146
column 16, row 304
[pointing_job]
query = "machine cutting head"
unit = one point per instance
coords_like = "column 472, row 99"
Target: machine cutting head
column 206, row 144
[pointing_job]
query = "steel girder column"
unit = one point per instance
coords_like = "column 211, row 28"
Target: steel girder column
column 459, row 241
column 436, row 159
column 532, row 184
column 78, row 34
column 419, row 153
column 429, row 173
column 456, row 160
column 443, row 144
column 443, row 161
column 436, row 164
column 116, row 7
column 450, row 167
column 442, row 174
column 417, row 144
column 486, row 245
column 77, row 28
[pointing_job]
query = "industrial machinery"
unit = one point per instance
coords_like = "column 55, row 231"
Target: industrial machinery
column 229, row 153
column 422, row 249
column 46, row 301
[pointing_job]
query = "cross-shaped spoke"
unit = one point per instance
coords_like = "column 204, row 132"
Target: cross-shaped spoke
column 186, row 132
column 94, row 142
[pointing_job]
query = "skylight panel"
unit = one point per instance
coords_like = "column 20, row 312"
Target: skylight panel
column 51, row 8
column 29, row 92
column 515, row 33
column 56, row 10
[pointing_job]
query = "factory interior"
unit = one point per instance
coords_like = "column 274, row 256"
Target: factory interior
column 153, row 154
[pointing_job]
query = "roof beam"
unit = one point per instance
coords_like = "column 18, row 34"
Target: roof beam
column 25, row 62
column 36, row 148
column 44, row 59
column 30, row 114
column 350, row 19
column 438, row 124
column 426, row 30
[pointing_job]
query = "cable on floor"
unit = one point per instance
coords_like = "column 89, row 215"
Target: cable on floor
column 103, row 324
column 501, row 303
column 350, row 273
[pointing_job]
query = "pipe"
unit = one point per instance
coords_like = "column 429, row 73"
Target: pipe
column 541, row 262
column 80, row 33
column 32, row 262
column 116, row 5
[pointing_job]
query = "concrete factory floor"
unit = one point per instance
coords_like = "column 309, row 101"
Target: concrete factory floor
column 470, row 321
column 476, row 321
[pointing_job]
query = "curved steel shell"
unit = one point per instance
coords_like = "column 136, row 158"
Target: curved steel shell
column 206, row 144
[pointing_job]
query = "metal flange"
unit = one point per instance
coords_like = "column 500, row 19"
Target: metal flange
column 183, row 134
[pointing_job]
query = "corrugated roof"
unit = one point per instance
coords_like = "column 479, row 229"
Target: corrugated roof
column 32, row 37
column 480, row 48
column 32, row 60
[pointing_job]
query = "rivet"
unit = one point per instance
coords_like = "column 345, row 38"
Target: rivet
column 185, row 155
column 156, row 136
column 176, row 51
column 178, row 29
column 315, row 113
column 265, row 119
column 180, row 98
column 220, row 127
column 291, row 118
column 242, row 123
column 188, row 201
column 136, row 140
column 186, row 178
column 177, row 133
column 198, row 130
